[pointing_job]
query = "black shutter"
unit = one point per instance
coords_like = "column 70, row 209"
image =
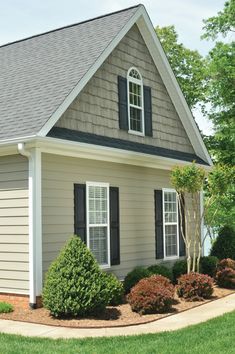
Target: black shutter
column 122, row 97
column 80, row 211
column 148, row 111
column 158, row 224
column 181, row 240
column 114, row 226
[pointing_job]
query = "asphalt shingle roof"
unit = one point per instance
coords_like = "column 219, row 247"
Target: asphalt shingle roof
column 38, row 73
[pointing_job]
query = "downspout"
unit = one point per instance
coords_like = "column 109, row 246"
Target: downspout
column 35, row 228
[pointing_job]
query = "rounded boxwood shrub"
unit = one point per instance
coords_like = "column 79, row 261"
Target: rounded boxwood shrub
column 134, row 276
column 151, row 295
column 160, row 270
column 224, row 245
column 226, row 263
column 225, row 278
column 179, row 268
column 115, row 289
column 195, row 286
column 208, row 265
column 75, row 285
column 5, row 307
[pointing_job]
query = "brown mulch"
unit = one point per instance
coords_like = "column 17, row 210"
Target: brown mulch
column 112, row 317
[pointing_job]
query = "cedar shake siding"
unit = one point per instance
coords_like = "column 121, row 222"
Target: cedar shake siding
column 96, row 109
column 14, row 270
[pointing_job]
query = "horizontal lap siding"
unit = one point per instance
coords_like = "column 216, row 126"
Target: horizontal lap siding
column 136, row 192
column 14, row 253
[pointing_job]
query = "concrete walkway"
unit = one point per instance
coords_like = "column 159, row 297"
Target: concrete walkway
column 183, row 319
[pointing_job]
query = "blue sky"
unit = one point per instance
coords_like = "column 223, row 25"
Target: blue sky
column 23, row 18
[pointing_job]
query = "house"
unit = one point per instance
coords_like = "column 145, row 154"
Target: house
column 92, row 120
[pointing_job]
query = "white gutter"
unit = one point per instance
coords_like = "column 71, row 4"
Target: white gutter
column 35, row 222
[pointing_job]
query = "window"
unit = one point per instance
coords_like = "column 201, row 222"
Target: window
column 98, row 234
column 135, row 102
column 170, row 224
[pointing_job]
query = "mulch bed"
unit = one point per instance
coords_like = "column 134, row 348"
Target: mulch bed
column 117, row 316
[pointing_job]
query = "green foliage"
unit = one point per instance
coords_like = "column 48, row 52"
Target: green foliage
column 224, row 245
column 189, row 179
column 187, row 65
column 159, row 269
column 208, row 265
column 114, row 288
column 195, row 286
column 225, row 278
column 134, row 277
column 5, row 307
column 179, row 268
column 75, row 285
column 151, row 295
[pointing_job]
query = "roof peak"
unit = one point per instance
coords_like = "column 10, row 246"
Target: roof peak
column 69, row 26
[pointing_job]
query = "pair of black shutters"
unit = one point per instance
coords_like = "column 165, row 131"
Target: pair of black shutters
column 80, row 219
column 123, row 107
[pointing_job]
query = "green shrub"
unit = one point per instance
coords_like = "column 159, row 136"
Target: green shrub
column 195, row 286
column 225, row 278
column 160, row 270
column 179, row 268
column 75, row 285
column 134, row 276
column 151, row 295
column 224, row 245
column 226, row 263
column 115, row 289
column 5, row 307
column 208, row 265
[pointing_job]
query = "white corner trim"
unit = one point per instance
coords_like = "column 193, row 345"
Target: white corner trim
column 35, row 221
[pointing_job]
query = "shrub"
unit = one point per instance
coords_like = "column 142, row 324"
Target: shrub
column 208, row 265
column 5, row 307
column 195, row 286
column 115, row 289
column 151, row 295
column 134, row 276
column 161, row 270
column 226, row 263
column 179, row 268
column 225, row 278
column 75, row 285
column 224, row 245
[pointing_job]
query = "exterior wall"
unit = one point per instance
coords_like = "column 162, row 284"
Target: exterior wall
column 136, row 193
column 14, row 266
column 96, row 108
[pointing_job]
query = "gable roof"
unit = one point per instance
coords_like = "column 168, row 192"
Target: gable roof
column 42, row 75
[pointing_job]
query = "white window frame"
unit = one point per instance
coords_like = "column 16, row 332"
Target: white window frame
column 138, row 82
column 98, row 184
column 164, row 190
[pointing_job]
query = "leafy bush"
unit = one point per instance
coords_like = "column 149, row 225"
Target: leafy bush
column 75, row 285
column 134, row 276
column 226, row 263
column 179, row 268
column 5, row 307
column 225, row 278
column 115, row 289
column 208, row 265
column 151, row 295
column 195, row 286
column 161, row 270
column 224, row 245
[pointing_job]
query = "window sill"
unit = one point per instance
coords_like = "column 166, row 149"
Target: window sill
column 135, row 133
column 105, row 266
column 172, row 258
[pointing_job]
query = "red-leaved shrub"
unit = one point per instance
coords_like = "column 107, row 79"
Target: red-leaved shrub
column 195, row 286
column 151, row 295
column 225, row 278
column 226, row 263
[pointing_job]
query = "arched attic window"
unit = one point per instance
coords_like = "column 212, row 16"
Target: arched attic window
column 135, row 101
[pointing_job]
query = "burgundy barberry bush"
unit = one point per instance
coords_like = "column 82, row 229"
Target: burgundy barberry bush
column 151, row 295
column 195, row 286
column 225, row 278
column 226, row 263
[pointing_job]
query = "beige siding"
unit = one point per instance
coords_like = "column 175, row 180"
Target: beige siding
column 14, row 269
column 96, row 108
column 136, row 189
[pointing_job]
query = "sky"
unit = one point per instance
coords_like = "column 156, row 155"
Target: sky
column 24, row 18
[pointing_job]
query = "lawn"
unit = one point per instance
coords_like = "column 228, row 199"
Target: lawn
column 215, row 336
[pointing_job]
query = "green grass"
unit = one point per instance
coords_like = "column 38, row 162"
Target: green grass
column 215, row 336
column 5, row 307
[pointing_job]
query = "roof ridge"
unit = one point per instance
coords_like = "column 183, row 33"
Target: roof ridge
column 68, row 26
